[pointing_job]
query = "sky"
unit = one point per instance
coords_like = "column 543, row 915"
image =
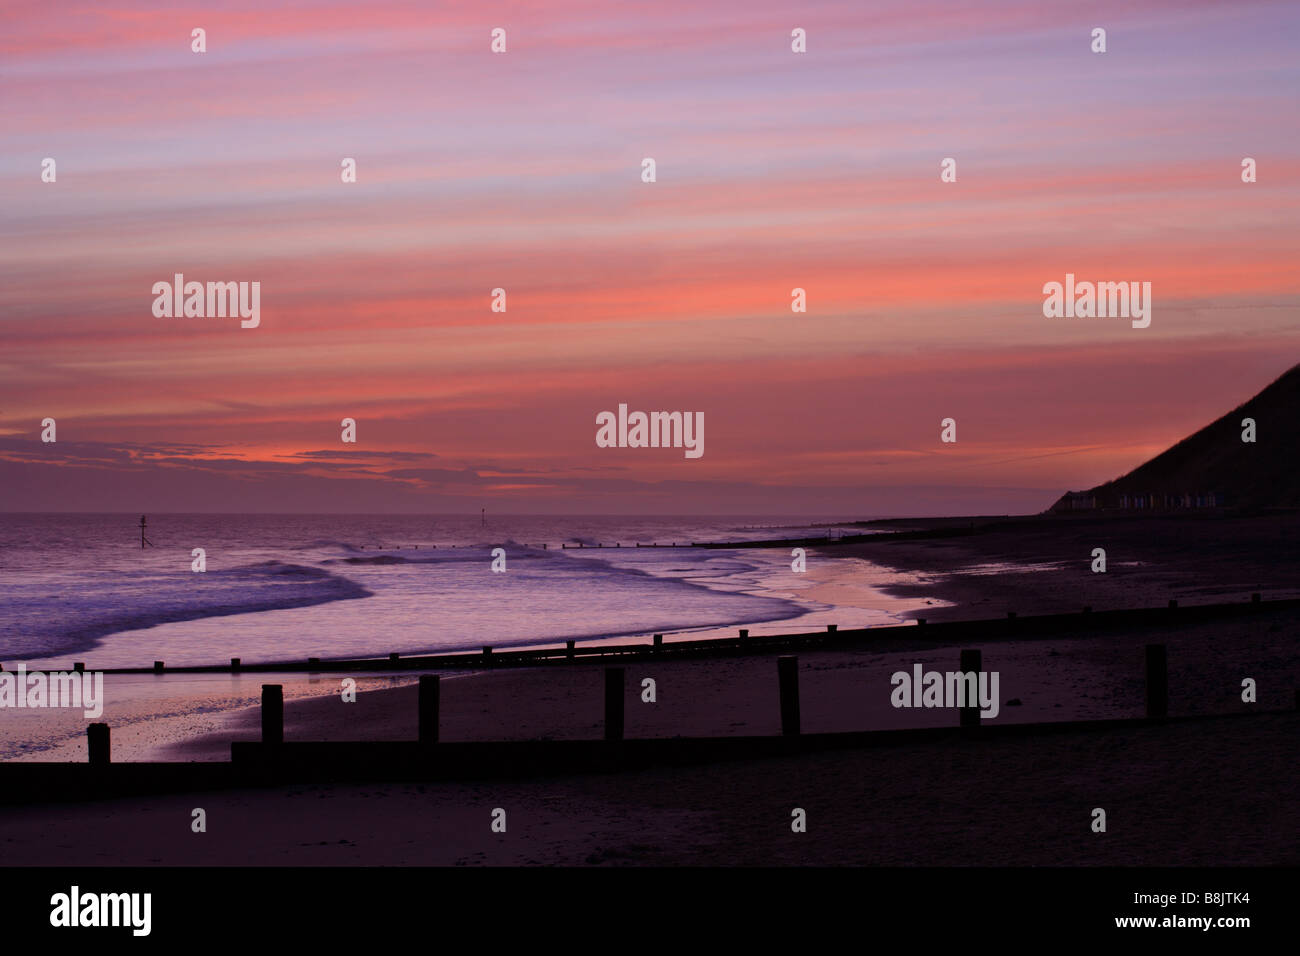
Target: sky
column 522, row 170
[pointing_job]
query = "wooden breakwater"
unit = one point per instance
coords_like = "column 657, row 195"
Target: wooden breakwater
column 255, row 765
column 273, row 761
column 919, row 633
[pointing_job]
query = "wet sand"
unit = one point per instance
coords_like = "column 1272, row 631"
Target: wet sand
column 1069, row 678
column 1045, row 566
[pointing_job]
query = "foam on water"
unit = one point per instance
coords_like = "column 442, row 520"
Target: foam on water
column 287, row 586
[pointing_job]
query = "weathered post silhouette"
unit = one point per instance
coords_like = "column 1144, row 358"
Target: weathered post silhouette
column 430, row 694
column 97, row 743
column 272, row 714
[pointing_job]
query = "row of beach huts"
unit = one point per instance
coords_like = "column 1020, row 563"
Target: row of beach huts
column 1148, row 501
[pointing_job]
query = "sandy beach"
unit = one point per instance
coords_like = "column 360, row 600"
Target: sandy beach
column 1043, row 565
column 1178, row 794
column 1174, row 795
column 1067, row 678
column 1216, row 793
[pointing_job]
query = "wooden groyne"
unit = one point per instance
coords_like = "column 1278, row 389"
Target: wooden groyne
column 273, row 761
column 255, row 765
column 919, row 633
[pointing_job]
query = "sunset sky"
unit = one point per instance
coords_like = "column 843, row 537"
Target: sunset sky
column 523, row 171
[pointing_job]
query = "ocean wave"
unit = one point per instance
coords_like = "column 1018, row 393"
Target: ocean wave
column 461, row 554
column 325, row 544
column 75, row 614
column 377, row 559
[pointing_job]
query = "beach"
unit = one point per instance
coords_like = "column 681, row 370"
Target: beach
column 1072, row 677
column 1043, row 565
column 1174, row 795
column 1214, row 791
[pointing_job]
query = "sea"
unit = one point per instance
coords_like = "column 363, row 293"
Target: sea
column 289, row 587
column 274, row 588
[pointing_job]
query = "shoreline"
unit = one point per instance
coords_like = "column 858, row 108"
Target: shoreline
column 195, row 717
column 1177, row 793
column 1045, row 566
column 947, row 579
column 732, row 597
column 1073, row 676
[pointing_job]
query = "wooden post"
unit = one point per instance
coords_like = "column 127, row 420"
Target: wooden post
column 832, row 628
column 234, row 663
column 487, row 654
column 659, row 643
column 272, row 713
column 920, row 622
column 568, row 649
column 787, row 672
column 97, row 742
column 393, row 657
column 971, row 661
column 79, row 667
column 613, row 703
column 430, row 694
column 1157, row 681
column 157, row 667
column 744, row 632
